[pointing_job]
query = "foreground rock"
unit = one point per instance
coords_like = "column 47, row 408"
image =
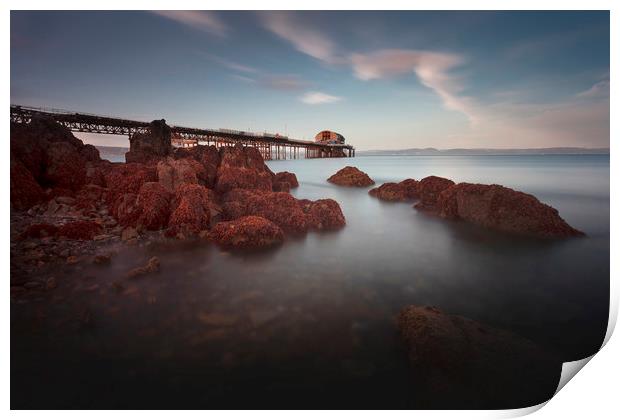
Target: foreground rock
column 502, row 209
column 391, row 191
column 461, row 363
column 249, row 232
column 323, row 214
column 429, row 189
column 350, row 176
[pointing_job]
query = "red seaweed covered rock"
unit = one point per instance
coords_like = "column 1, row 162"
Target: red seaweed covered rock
column 288, row 177
column 350, row 176
column 126, row 178
column 465, row 364
column 323, row 214
column 392, row 191
column 502, row 209
column 429, row 189
column 173, row 172
column 279, row 207
column 82, row 230
column 89, row 197
column 192, row 213
column 281, row 186
column 25, row 191
column 249, row 232
column 153, row 203
column 242, row 167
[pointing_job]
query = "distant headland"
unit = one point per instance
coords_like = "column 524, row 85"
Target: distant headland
column 429, row 151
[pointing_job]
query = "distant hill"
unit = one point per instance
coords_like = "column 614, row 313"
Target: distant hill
column 429, row 151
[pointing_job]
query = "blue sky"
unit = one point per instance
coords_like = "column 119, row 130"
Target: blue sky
column 385, row 80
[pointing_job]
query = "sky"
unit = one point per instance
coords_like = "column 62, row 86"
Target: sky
column 384, row 80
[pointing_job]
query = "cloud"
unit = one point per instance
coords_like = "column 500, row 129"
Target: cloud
column 283, row 82
column 232, row 65
column 304, row 38
column 319, row 98
column 431, row 68
column 600, row 89
column 202, row 20
column 244, row 79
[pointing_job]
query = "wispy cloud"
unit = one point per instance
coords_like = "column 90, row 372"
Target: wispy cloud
column 431, row 68
column 600, row 89
column 232, row 65
column 319, row 98
column 303, row 37
column 197, row 19
column 283, row 82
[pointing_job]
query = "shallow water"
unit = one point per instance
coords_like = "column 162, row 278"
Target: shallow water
column 311, row 324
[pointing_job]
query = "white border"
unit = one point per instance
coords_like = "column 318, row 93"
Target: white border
column 592, row 394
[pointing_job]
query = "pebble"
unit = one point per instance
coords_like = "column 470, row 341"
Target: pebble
column 51, row 283
column 72, row 259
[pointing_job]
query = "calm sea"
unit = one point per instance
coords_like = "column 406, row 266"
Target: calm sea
column 311, row 324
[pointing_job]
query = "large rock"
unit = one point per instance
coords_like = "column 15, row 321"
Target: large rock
column 323, row 214
column 279, row 207
column 123, row 178
column 25, row 191
column 350, row 176
column 249, row 232
column 153, row 204
column 392, row 191
column 151, row 146
column 64, row 166
column 192, row 213
column 503, row 209
column 242, row 167
column 429, row 189
column 287, row 177
column 460, row 363
column 173, row 172
column 209, row 157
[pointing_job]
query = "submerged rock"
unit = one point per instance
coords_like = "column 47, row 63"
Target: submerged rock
column 249, row 232
column 392, row 191
column 503, row 209
column 429, row 189
column 323, row 214
column 350, row 176
column 151, row 267
column 461, row 363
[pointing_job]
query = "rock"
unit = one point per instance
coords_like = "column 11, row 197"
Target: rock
column 391, row 191
column 89, row 153
column 72, row 259
column 153, row 204
column 151, row 146
column 503, row 209
column 350, row 176
column 151, row 267
column 40, row 230
column 69, row 201
column 279, row 207
column 64, row 167
column 89, row 197
column 242, row 167
column 126, row 210
column 323, row 214
column 81, row 230
column 281, row 186
column 51, row 283
column 249, row 232
column 288, row 177
column 429, row 189
column 25, row 191
column 192, row 212
column 465, row 364
column 129, row 233
column 102, row 259
column 127, row 179
column 173, row 172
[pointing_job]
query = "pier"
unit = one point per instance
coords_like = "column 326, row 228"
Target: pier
column 271, row 146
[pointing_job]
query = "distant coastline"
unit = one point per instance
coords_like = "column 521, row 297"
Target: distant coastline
column 491, row 152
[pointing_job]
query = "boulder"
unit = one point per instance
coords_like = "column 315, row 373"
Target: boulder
column 502, row 209
column 429, row 189
column 209, row 157
column 25, row 191
column 280, row 208
column 121, row 178
column 192, row 213
column 323, row 214
column 150, row 146
column 90, row 153
column 350, row 176
column 173, row 172
column 64, row 166
column 242, row 167
column 461, row 363
column 288, row 177
column 153, row 204
column 249, row 232
column 89, row 197
column 281, row 186
column 82, row 230
column 392, row 191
